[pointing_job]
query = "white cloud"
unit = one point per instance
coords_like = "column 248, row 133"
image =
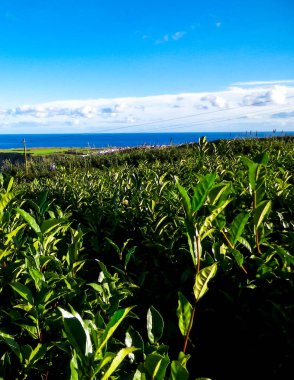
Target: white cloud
column 178, row 35
column 171, row 37
column 215, row 101
column 233, row 108
column 262, row 83
column 276, row 95
column 283, row 115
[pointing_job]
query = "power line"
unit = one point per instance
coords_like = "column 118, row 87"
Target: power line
column 209, row 121
column 187, row 116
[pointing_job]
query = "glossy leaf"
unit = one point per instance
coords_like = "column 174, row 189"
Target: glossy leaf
column 202, row 279
column 155, row 325
column 23, row 291
column 30, row 220
column 252, row 171
column 5, row 199
column 201, row 191
column 178, row 372
column 117, row 361
column 11, row 342
column 49, row 224
column 113, row 324
column 218, row 192
column 260, row 212
column 185, row 200
column 237, row 227
column 76, row 332
column 238, row 257
column 156, row 366
column 209, row 219
column 184, row 312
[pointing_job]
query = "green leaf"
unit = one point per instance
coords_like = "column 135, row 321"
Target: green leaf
column 185, row 200
column 10, row 184
column 155, row 325
column 284, row 254
column 139, row 375
column 184, row 312
column 11, row 342
column 5, row 199
column 133, row 338
column 49, row 224
column 32, row 330
column 210, row 218
column 117, row 361
column 183, row 358
column 245, row 243
column 29, row 219
column 36, row 275
column 74, row 373
column 237, row 227
column 105, row 360
column 115, row 246
column 5, row 364
column 260, row 212
column 42, row 198
column 201, row 191
column 156, row 366
column 37, row 354
column 107, row 275
column 76, row 332
column 202, row 279
column 252, row 171
column 129, row 255
column 13, row 233
column 263, row 158
column 113, row 324
column 23, row 291
column 178, row 372
column 96, row 287
column 218, row 191
column 238, row 257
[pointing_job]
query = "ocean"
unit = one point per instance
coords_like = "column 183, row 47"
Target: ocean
column 113, row 140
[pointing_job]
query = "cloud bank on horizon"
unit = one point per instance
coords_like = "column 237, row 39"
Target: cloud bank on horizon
column 243, row 106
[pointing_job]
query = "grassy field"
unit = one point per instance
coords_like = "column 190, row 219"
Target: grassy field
column 49, row 151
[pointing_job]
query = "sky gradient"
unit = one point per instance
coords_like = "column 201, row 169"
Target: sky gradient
column 90, row 50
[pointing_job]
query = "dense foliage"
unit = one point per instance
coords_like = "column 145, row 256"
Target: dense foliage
column 170, row 263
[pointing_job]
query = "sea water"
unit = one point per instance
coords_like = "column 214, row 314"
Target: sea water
column 103, row 140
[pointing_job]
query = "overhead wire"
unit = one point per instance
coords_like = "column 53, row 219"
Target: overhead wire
column 210, row 121
column 192, row 115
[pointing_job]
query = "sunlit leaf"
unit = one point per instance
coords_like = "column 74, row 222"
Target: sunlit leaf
column 117, row 361
column 30, row 220
column 76, row 331
column 113, row 324
column 184, row 312
column 156, row 366
column 237, row 227
column 260, row 212
column 11, row 342
column 155, row 325
column 201, row 191
column 238, row 257
column 185, row 200
column 202, row 279
column 23, row 291
column 178, row 372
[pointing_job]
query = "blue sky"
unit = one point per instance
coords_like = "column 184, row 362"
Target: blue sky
column 65, row 50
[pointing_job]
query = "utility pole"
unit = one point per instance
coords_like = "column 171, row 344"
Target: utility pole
column 25, row 156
